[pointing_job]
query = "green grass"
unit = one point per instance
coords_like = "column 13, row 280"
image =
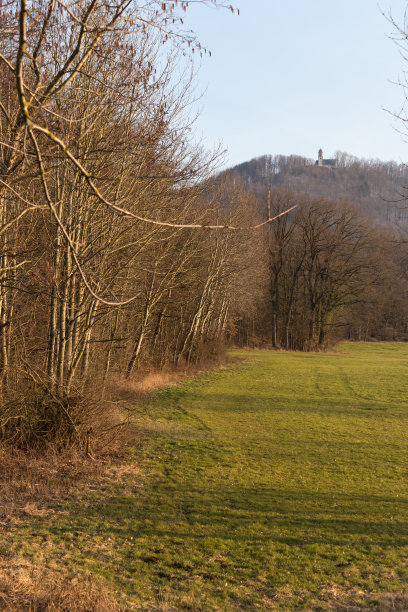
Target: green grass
column 278, row 484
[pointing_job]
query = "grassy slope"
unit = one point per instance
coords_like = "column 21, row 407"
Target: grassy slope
column 278, row 484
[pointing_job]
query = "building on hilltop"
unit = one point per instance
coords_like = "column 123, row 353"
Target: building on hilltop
column 325, row 163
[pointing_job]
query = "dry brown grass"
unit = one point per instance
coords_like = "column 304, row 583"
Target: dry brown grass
column 126, row 390
column 123, row 390
column 25, row 587
column 338, row 599
column 33, row 482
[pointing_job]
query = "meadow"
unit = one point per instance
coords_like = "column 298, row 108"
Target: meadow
column 279, row 483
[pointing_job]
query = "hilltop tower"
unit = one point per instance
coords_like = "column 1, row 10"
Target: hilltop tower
column 325, row 163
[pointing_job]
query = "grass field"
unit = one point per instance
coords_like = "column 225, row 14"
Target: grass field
column 278, row 484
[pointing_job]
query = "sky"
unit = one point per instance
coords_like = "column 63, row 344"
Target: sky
column 292, row 76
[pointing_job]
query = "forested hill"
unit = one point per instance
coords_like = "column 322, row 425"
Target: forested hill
column 374, row 186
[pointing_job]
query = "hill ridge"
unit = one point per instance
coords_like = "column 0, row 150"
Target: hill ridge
column 377, row 188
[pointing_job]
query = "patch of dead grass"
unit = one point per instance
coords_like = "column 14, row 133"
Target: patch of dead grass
column 129, row 390
column 34, row 485
column 126, row 390
column 32, row 482
column 35, row 482
column 25, row 587
column 337, row 599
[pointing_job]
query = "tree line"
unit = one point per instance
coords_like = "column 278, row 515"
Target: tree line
column 106, row 256
column 329, row 273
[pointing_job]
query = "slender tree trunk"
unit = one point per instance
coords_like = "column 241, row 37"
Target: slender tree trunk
column 4, row 300
column 80, row 349
column 114, row 329
column 139, row 342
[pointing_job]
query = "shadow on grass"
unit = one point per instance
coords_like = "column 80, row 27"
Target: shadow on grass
column 256, row 514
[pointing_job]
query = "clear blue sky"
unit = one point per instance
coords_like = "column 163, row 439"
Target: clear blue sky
column 291, row 76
